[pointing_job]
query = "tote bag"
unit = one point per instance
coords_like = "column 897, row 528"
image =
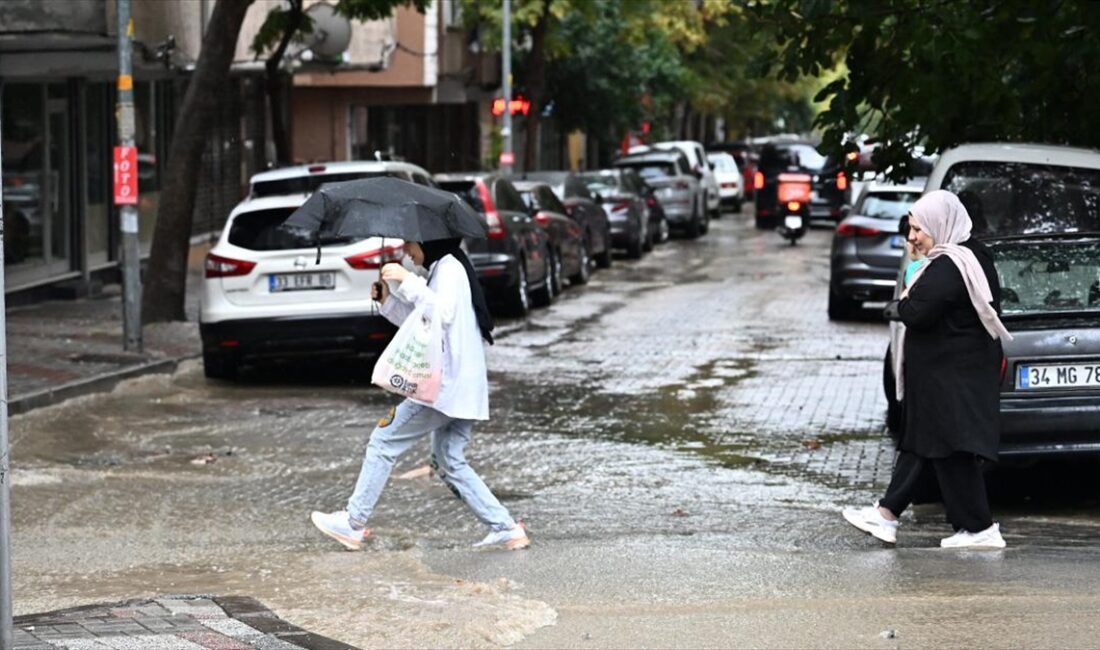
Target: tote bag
column 412, row 364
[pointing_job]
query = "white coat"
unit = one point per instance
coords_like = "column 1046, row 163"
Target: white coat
column 464, row 390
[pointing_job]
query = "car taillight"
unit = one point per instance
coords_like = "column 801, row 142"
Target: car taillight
column 620, row 206
column 841, row 181
column 794, row 206
column 1004, row 367
column 375, row 258
column 758, row 181
column 492, row 217
column 732, row 184
column 849, row 230
column 542, row 218
column 650, row 201
column 682, row 185
column 224, row 267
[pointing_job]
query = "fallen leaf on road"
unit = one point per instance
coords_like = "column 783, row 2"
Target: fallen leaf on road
column 812, row 444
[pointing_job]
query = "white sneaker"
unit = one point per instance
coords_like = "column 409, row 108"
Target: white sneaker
column 511, row 539
column 988, row 538
column 869, row 520
column 337, row 525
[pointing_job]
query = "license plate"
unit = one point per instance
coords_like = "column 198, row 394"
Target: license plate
column 1084, row 375
column 793, row 223
column 301, row 282
column 897, row 241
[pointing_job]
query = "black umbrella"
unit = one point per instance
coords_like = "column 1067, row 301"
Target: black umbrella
column 383, row 207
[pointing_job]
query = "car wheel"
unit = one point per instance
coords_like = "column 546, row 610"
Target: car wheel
column 704, row 227
column 217, row 365
column 665, row 233
column 543, row 296
column 518, row 300
column 585, row 272
column 556, row 281
column 603, row 260
column 737, row 206
column 635, row 249
column 647, row 244
column 842, row 307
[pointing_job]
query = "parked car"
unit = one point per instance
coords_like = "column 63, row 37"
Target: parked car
column 731, row 186
column 830, row 183
column 680, row 193
column 569, row 256
column 745, row 155
column 697, row 159
column 513, row 262
column 621, row 193
column 270, row 295
column 867, row 248
column 581, row 207
column 1037, row 208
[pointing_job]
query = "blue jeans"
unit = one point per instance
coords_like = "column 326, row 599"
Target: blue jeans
column 396, row 433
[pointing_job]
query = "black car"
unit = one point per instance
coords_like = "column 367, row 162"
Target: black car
column 581, row 206
column 621, row 192
column 513, row 262
column 830, row 184
column 570, row 258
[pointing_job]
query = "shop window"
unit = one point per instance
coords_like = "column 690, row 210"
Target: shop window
column 24, row 174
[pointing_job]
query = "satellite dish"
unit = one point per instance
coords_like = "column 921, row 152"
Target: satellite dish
column 331, row 32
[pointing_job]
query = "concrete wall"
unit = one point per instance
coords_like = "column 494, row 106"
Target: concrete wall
column 72, row 16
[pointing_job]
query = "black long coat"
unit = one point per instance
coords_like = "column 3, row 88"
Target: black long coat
column 952, row 365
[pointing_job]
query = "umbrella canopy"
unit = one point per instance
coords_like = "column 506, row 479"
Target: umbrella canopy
column 384, row 207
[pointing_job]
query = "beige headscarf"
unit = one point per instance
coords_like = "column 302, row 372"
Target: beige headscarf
column 946, row 221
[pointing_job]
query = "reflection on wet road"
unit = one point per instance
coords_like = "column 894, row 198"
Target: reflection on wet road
column 679, row 436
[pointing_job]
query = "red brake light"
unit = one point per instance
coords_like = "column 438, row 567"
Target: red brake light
column 224, row 267
column 1004, row 367
column 651, row 201
column 542, row 218
column 621, row 205
column 841, row 181
column 758, row 181
column 848, row 230
column 683, row 185
column 316, row 169
column 375, row 258
column 794, row 206
column 492, row 217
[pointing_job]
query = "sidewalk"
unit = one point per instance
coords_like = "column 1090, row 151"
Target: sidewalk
column 177, row 622
column 67, row 348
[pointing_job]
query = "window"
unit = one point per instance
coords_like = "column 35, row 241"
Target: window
column 652, row 169
column 1046, row 277
column 310, row 184
column 507, row 198
column 886, row 205
column 260, row 231
column 467, row 191
column 548, row 201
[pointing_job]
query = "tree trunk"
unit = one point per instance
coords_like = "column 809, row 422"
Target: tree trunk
column 166, row 277
column 536, row 81
column 273, row 83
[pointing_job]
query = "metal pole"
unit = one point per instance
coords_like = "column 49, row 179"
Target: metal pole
column 6, row 631
column 506, row 72
column 128, row 216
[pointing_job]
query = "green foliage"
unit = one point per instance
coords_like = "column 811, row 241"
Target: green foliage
column 279, row 20
column 942, row 73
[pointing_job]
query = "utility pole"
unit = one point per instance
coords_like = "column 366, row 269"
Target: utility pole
column 126, row 184
column 6, row 632
column 507, row 157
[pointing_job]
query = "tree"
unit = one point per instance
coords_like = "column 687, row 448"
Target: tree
column 942, row 73
column 166, row 277
column 165, row 285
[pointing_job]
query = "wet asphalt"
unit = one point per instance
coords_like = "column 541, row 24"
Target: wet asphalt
column 679, row 436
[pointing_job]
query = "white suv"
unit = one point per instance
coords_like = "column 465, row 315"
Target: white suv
column 700, row 166
column 268, row 294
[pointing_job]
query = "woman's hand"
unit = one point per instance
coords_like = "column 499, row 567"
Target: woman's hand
column 394, row 272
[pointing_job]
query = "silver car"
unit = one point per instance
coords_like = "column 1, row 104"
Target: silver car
column 679, row 191
column 868, row 247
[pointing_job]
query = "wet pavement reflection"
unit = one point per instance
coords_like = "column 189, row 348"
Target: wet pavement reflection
column 679, row 435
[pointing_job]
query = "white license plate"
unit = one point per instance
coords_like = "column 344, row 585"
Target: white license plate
column 301, row 282
column 794, row 223
column 897, row 241
column 1083, row 375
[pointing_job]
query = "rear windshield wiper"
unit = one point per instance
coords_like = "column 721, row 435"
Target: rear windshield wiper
column 1079, row 313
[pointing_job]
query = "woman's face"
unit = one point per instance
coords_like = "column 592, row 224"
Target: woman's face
column 415, row 252
column 920, row 240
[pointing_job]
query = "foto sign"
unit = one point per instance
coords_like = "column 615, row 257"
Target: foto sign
column 507, row 158
column 126, row 177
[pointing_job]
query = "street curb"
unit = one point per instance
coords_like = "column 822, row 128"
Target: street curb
column 98, row 384
column 253, row 613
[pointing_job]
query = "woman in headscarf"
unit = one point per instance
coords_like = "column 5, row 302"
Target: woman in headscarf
column 947, row 365
column 453, row 294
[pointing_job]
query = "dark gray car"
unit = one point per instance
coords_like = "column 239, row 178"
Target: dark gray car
column 621, row 192
column 867, row 249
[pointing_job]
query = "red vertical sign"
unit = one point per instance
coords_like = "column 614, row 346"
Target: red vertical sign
column 126, row 177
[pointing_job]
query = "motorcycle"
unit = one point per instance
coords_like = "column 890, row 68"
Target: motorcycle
column 795, row 192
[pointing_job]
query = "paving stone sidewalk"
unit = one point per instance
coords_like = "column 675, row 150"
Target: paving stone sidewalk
column 171, row 623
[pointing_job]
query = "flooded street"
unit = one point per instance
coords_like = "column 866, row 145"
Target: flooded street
column 679, row 437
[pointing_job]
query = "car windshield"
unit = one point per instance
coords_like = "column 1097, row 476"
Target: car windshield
column 651, row 169
column 260, row 231
column 467, row 191
column 886, row 205
column 529, row 199
column 1021, row 199
column 310, row 184
column 723, row 162
column 1048, row 277
column 601, row 183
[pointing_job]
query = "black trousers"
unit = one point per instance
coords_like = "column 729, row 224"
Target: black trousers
column 960, row 481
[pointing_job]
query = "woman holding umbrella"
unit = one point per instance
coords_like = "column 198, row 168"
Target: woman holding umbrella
column 453, row 294
column 948, row 358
